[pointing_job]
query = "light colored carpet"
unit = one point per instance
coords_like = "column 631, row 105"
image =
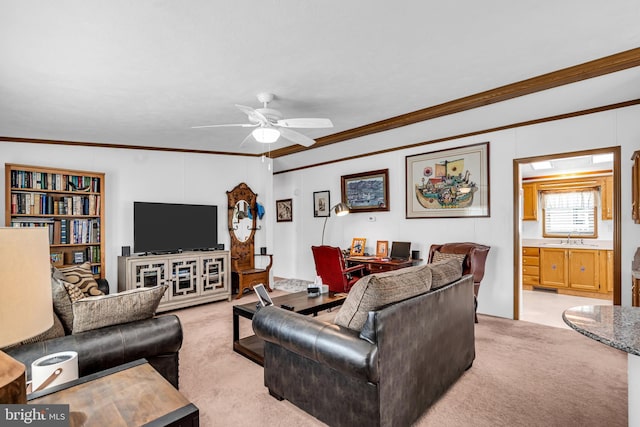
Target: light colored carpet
column 524, row 374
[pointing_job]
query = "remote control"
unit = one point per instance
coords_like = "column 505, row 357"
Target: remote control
column 287, row 307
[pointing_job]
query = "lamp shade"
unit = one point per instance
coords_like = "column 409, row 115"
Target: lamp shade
column 266, row 135
column 26, row 307
column 341, row 209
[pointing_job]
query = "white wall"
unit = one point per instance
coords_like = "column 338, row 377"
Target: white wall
column 606, row 129
column 153, row 176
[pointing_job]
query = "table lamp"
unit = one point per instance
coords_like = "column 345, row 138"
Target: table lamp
column 341, row 209
column 26, row 307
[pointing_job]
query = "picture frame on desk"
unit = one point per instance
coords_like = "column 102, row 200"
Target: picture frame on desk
column 321, row 203
column 382, row 248
column 357, row 246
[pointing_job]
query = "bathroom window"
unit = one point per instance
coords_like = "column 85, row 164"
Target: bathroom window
column 570, row 213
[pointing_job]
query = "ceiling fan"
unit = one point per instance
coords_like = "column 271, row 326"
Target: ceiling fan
column 269, row 124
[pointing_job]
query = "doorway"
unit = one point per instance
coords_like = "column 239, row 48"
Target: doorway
column 534, row 299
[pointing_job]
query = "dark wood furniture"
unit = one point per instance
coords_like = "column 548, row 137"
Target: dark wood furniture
column 243, row 214
column 252, row 347
column 132, row 394
column 331, row 267
column 377, row 265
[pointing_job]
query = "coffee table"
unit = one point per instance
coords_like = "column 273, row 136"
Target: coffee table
column 252, row 347
column 133, row 394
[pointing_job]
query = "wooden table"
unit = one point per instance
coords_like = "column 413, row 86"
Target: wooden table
column 378, row 265
column 252, row 347
column 133, row 394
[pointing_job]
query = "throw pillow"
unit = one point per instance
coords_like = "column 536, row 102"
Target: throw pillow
column 62, row 303
column 377, row 290
column 444, row 272
column 82, row 276
column 440, row 256
column 113, row 309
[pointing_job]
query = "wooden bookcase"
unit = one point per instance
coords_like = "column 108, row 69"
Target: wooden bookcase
column 69, row 202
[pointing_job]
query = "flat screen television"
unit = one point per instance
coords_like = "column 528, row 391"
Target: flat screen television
column 171, row 227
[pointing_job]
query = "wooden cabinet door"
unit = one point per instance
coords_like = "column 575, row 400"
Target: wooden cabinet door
column 584, row 270
column 554, row 269
column 606, row 195
column 529, row 202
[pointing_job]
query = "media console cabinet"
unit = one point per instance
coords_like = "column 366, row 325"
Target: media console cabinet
column 193, row 277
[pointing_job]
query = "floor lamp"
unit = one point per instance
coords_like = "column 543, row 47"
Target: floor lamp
column 341, row 209
column 26, row 307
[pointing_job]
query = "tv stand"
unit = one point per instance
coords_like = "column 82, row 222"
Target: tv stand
column 194, row 277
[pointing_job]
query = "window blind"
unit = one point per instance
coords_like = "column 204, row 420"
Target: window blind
column 570, row 213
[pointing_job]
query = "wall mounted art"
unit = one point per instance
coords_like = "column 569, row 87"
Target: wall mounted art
column 284, row 210
column 321, row 203
column 448, row 183
column 366, row 191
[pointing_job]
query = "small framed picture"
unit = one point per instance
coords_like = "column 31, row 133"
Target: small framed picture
column 57, row 259
column 78, row 257
column 321, row 203
column 382, row 248
column 284, row 210
column 357, row 246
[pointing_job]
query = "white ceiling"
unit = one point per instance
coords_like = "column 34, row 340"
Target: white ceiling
column 144, row 72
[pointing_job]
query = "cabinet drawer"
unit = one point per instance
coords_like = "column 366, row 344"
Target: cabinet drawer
column 530, row 280
column 530, row 260
column 529, row 251
column 377, row 268
column 529, row 270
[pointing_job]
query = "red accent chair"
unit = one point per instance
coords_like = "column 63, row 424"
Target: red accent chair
column 331, row 267
column 473, row 263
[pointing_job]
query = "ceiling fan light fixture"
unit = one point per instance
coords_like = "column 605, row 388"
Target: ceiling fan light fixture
column 266, row 135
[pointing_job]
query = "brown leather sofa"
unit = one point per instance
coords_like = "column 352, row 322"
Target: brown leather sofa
column 407, row 354
column 473, row 263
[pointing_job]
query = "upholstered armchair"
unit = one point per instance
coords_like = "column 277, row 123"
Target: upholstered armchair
column 474, row 256
column 330, row 266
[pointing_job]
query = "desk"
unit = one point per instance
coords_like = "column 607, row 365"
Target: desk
column 617, row 327
column 377, row 265
column 132, row 394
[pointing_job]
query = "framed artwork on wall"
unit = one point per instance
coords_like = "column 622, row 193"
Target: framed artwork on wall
column 366, row 191
column 357, row 246
column 284, row 210
column 321, row 203
column 448, row 183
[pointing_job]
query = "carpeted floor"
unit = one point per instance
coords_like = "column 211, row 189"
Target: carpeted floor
column 524, row 374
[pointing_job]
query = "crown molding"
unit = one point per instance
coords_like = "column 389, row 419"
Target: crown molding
column 596, row 68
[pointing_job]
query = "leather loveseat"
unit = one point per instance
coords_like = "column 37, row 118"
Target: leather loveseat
column 405, row 356
column 157, row 340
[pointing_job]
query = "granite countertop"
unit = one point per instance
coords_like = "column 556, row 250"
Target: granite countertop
column 613, row 325
column 576, row 243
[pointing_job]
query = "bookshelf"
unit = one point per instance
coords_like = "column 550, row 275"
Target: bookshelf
column 69, row 202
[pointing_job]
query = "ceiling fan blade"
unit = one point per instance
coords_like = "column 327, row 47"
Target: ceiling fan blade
column 254, row 116
column 296, row 137
column 248, row 138
column 244, row 125
column 305, row 123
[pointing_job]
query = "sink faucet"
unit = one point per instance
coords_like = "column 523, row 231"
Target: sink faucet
column 569, row 238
